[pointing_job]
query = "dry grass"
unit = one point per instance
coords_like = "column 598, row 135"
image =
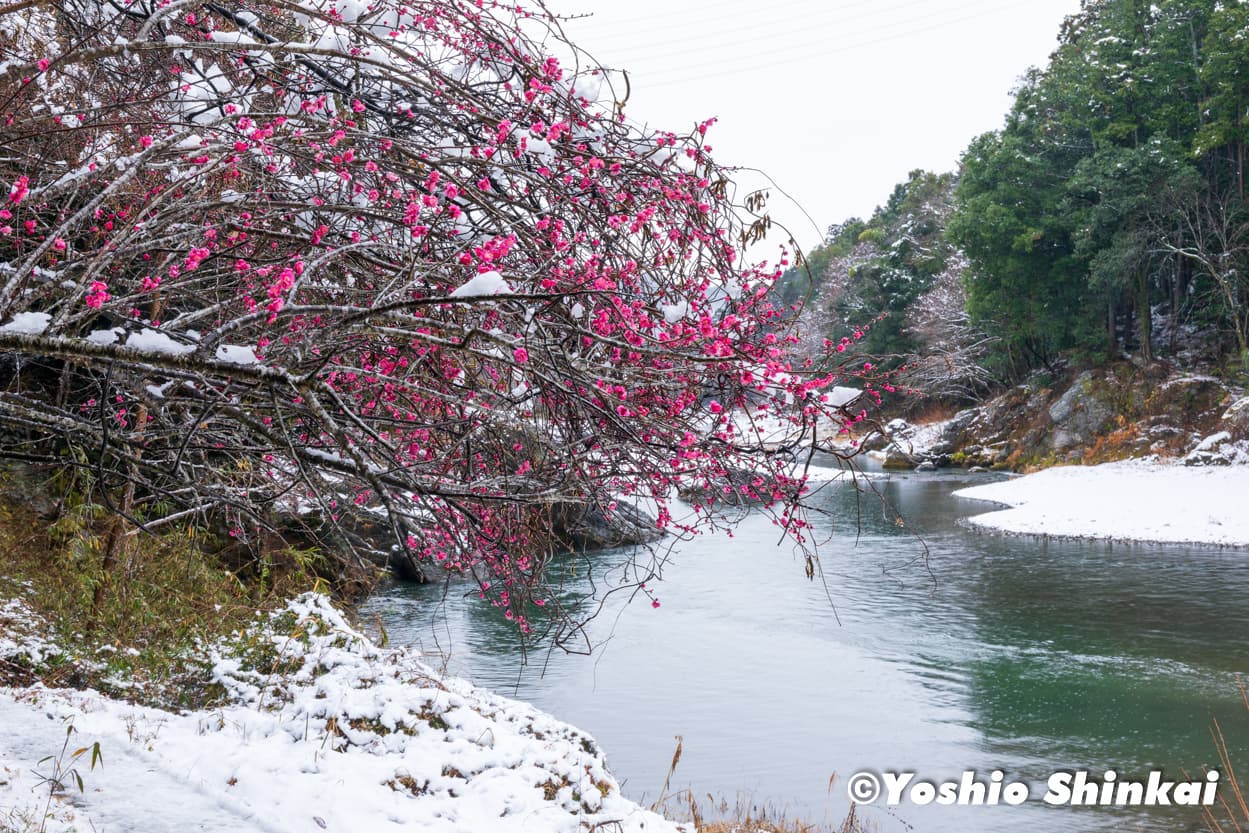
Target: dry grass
column 742, row 816
column 1235, row 807
column 142, row 638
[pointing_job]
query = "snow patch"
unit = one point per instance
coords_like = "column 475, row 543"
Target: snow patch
column 486, row 283
column 347, row 737
column 105, row 337
column 28, row 323
column 151, row 341
column 1135, row 500
column 237, row 354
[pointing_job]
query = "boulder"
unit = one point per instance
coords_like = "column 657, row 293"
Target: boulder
column 732, row 491
column 1188, row 400
column 1219, row 449
column 571, row 525
column 1235, row 420
column 1079, row 415
column 587, row 526
column 895, row 458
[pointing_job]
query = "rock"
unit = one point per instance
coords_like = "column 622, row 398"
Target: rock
column 978, row 470
column 896, row 458
column 927, row 465
column 588, row 526
column 26, row 484
column 409, row 569
column 1188, row 399
column 1079, row 414
column 1218, row 450
column 899, row 428
column 1235, row 419
column 349, row 535
column 733, row 491
column 875, row 441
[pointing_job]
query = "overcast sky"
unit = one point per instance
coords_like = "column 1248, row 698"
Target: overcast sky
column 835, row 100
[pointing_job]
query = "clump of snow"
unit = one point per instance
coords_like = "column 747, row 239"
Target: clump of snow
column 841, row 397
column 105, row 337
column 323, row 730
column 152, row 341
column 485, row 283
column 1135, row 500
column 237, row 354
column 28, row 323
column 674, row 312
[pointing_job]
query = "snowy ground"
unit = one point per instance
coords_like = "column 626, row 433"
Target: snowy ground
column 1134, row 500
column 324, row 731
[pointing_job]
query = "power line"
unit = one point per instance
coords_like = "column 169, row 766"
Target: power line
column 738, row 70
column 652, row 48
column 716, row 12
column 704, row 39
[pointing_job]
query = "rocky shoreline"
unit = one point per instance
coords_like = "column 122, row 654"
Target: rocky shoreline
column 1096, row 416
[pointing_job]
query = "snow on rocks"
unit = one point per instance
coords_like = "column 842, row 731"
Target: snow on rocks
column 1229, row 446
column 324, row 730
column 1218, row 450
column 1135, row 500
column 911, row 446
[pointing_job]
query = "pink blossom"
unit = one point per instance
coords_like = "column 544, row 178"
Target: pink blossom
column 19, row 190
column 97, row 295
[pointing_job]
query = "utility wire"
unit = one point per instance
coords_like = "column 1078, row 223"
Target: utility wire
column 740, row 69
column 627, row 29
column 784, row 38
column 716, row 11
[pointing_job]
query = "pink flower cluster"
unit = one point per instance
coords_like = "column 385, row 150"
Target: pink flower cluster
column 97, row 295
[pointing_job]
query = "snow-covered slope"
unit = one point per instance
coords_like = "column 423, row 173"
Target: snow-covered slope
column 323, row 731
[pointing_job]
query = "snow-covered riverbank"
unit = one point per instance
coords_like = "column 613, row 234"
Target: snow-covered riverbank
column 1135, row 500
column 321, row 731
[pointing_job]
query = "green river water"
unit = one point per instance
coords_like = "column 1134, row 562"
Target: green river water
column 1021, row 654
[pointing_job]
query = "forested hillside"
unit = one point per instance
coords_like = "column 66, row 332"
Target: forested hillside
column 1108, row 215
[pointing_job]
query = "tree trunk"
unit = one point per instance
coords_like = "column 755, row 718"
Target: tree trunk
column 117, row 532
column 1144, row 315
column 1112, row 335
column 1240, row 166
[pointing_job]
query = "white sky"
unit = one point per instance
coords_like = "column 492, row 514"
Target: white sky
column 838, row 100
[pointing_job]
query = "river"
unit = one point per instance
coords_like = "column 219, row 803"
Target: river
column 1021, row 654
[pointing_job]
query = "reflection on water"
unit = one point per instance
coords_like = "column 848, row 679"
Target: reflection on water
column 1025, row 655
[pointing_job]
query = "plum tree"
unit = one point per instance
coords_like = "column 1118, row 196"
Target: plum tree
column 407, row 261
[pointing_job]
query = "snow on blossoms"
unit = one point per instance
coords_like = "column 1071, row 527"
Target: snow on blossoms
column 471, row 296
